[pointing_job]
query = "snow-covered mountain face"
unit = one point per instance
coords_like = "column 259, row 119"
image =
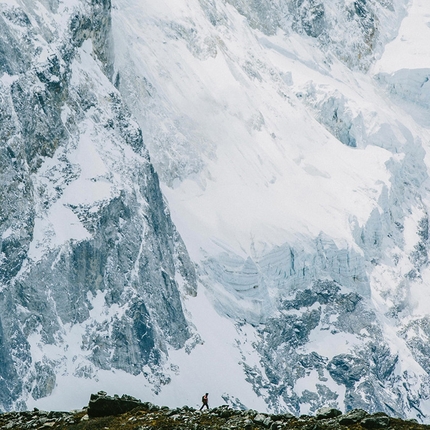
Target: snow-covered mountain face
column 290, row 139
column 92, row 268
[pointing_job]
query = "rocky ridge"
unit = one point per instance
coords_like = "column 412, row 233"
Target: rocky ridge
column 126, row 412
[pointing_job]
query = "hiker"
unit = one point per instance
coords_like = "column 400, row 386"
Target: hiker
column 205, row 401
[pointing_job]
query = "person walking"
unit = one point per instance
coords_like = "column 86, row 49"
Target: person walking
column 205, row 401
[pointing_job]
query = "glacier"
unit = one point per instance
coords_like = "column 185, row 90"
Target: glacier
column 226, row 196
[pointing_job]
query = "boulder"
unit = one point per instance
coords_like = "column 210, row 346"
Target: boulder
column 376, row 421
column 226, row 413
column 326, row 412
column 283, row 417
column 248, row 425
column 352, row 417
column 102, row 405
column 267, row 422
column 259, row 418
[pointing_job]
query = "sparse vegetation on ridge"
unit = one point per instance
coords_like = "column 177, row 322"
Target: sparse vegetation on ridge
column 104, row 412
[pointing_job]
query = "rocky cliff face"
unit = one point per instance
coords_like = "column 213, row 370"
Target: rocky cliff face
column 87, row 243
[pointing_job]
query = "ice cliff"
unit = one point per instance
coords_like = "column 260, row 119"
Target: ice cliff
column 291, row 145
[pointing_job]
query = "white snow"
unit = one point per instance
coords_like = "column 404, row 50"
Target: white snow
column 10, row 2
column 8, row 232
column 214, row 366
column 8, row 79
column 410, row 49
column 237, row 124
column 274, row 174
column 96, row 160
column 237, row 111
column 328, row 345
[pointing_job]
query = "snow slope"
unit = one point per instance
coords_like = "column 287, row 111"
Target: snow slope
column 285, row 160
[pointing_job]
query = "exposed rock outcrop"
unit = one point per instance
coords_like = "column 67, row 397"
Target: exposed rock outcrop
column 83, row 224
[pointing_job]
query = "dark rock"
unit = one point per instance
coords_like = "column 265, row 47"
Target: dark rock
column 267, row 422
column 58, row 414
column 282, row 417
column 259, row 418
column 346, row 369
column 353, row 417
column 226, row 413
column 148, row 406
column 327, row 412
column 376, row 421
column 102, row 405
